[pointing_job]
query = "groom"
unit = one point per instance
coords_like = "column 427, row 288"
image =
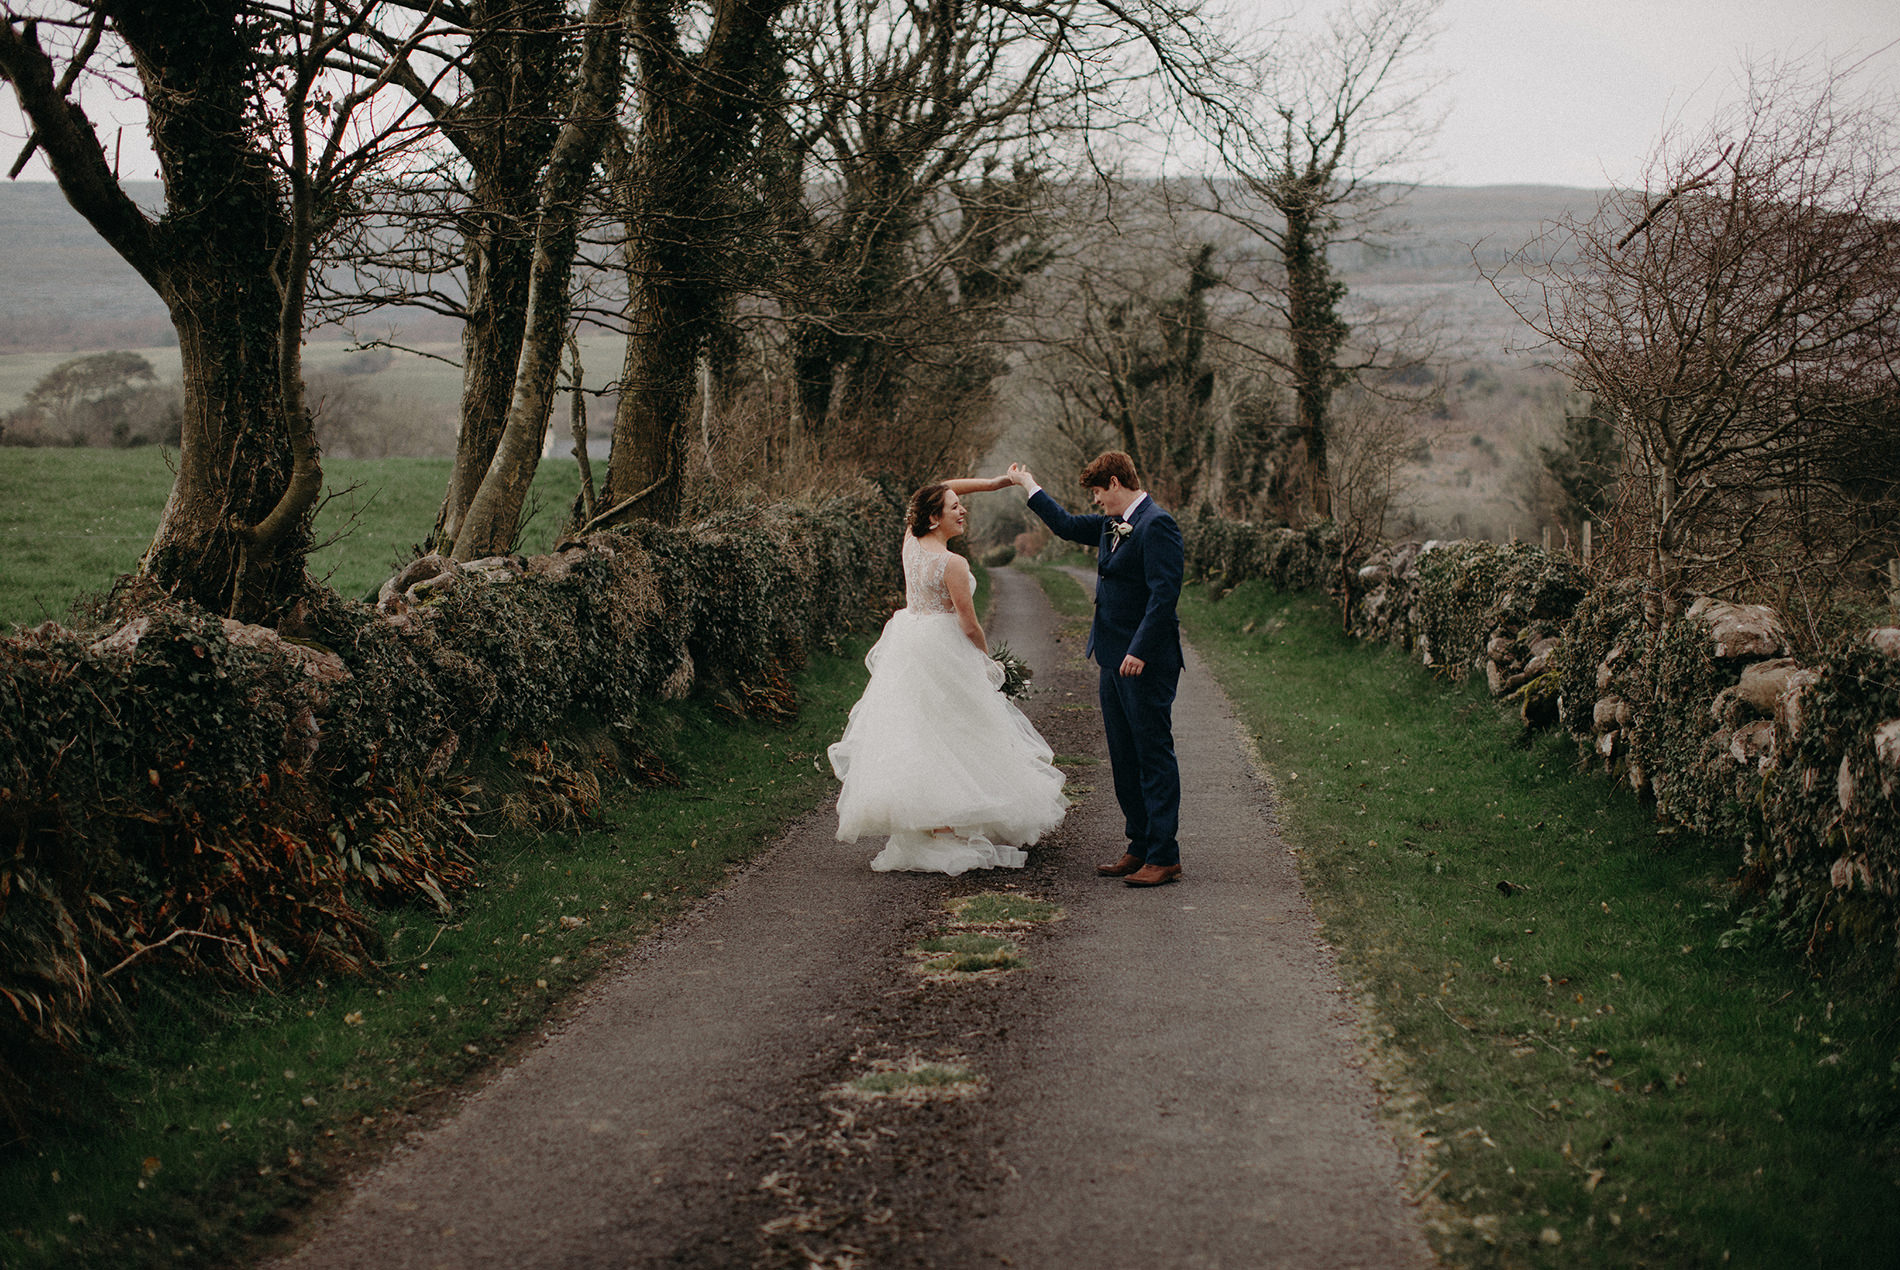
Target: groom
column 1136, row 640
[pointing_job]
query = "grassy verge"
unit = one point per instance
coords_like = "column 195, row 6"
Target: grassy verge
column 1600, row 1082
column 1066, row 595
column 226, row 1112
column 73, row 520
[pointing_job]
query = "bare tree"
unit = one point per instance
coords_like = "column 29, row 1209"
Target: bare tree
column 1336, row 118
column 1737, row 320
column 259, row 136
column 494, row 510
column 676, row 169
column 1374, row 439
column 1136, row 359
column 896, row 113
column 457, row 236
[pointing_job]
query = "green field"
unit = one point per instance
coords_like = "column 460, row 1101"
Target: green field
column 1602, row 1069
column 73, row 520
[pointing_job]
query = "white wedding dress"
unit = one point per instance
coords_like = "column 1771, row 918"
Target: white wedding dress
column 933, row 745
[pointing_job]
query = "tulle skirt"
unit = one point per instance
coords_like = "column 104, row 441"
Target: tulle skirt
column 932, row 745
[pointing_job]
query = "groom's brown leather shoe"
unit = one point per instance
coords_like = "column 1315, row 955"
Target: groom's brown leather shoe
column 1120, row 869
column 1153, row 875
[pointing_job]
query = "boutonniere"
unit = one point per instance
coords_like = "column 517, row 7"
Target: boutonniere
column 1121, row 529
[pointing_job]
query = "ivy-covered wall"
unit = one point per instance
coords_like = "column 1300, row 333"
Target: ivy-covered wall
column 181, row 794
column 1705, row 712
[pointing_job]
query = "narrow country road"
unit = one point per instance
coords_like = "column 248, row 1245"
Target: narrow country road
column 1168, row 1081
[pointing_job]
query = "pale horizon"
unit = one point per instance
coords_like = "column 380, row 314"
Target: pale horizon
column 1563, row 93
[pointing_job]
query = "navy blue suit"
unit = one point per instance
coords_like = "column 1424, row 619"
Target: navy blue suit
column 1137, row 585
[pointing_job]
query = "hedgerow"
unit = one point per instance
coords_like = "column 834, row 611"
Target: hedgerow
column 1225, row 553
column 180, row 795
column 1796, row 768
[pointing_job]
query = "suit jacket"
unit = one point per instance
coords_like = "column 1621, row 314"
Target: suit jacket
column 1137, row 583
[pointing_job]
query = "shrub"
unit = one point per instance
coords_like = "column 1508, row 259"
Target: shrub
column 189, row 796
column 1225, row 553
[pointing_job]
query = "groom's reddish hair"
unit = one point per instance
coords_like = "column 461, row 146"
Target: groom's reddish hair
column 1112, row 465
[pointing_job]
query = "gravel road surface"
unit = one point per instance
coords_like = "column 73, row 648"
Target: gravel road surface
column 1168, row 1080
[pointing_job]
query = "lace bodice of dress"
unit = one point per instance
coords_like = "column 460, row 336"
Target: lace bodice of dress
column 924, row 589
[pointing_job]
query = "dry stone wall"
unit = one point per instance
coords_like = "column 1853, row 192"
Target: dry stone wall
column 1708, row 713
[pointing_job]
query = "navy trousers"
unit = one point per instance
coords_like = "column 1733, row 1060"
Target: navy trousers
column 1138, row 715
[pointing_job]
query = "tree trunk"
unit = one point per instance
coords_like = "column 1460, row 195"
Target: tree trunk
column 1316, row 333
column 498, row 273
column 210, row 257
column 814, row 361
column 697, row 112
column 234, row 456
column 646, row 467
column 505, row 132
column 494, row 512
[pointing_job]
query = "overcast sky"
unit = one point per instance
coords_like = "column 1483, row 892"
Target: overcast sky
column 1575, row 92
column 1553, row 92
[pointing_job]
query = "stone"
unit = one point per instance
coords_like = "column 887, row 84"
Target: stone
column 1606, row 743
column 1887, row 754
column 1373, row 575
column 1887, row 744
column 123, row 640
column 497, row 568
column 1542, row 650
column 1610, row 712
column 1842, row 873
column 1844, row 785
column 1606, row 669
column 680, row 682
column 1885, row 639
column 1791, row 705
column 551, row 568
column 1754, row 743
column 1740, row 630
column 316, row 663
column 1763, row 682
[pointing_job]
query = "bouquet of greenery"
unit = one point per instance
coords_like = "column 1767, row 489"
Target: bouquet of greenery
column 1016, row 672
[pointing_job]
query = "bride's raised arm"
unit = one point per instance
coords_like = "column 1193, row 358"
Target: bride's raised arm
column 977, row 484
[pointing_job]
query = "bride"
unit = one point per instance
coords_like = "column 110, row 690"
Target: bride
column 934, row 756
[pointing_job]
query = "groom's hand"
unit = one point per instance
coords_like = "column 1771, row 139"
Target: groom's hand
column 1132, row 665
column 1020, row 475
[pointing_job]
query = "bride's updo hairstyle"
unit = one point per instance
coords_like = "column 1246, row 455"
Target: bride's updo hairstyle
column 926, row 505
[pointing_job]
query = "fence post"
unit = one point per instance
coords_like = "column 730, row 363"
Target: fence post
column 1586, row 542
column 1893, row 583
column 1546, row 539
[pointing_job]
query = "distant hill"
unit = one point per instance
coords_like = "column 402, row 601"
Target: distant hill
column 66, row 291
